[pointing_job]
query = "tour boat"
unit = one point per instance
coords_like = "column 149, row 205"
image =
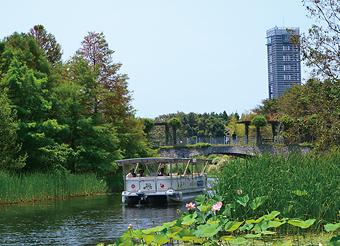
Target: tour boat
column 176, row 186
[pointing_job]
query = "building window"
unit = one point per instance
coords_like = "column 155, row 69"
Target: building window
column 286, row 58
column 286, row 67
column 287, row 77
column 269, row 40
column 286, row 48
column 285, row 38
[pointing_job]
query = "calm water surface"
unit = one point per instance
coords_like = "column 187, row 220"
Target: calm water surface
column 76, row 221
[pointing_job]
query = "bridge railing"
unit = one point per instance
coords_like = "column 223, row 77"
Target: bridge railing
column 211, row 140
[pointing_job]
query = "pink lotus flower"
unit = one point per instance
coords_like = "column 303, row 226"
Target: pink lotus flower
column 130, row 226
column 239, row 192
column 190, row 206
column 217, row 206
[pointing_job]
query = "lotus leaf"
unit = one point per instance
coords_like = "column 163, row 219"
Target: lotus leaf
column 148, row 238
column 200, row 199
column 160, row 239
column 255, row 221
column 243, row 200
column 169, row 224
column 189, row 219
column 184, row 235
column 272, row 215
column 154, row 229
column 332, row 227
column 171, row 232
column 228, row 238
column 232, row 225
column 252, row 235
column 307, row 223
column 239, row 240
column 296, row 222
column 246, row 226
column 258, row 201
column 207, row 230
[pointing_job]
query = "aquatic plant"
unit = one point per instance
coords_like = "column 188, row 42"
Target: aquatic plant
column 38, row 186
column 297, row 186
column 210, row 224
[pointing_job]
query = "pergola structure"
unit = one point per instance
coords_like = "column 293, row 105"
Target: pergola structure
column 247, row 123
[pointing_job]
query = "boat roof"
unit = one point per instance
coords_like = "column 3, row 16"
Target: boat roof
column 151, row 160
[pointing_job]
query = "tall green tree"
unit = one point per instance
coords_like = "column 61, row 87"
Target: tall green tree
column 25, row 80
column 47, row 42
column 10, row 159
column 114, row 100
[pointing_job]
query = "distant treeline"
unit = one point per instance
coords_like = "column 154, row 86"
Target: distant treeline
column 194, row 125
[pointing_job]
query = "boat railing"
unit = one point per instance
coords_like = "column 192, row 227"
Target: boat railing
column 150, row 184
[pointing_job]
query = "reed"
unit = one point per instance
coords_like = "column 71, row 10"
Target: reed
column 299, row 186
column 38, row 186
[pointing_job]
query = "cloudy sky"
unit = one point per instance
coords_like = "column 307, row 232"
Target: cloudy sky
column 180, row 55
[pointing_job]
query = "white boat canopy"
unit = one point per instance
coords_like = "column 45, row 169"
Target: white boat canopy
column 151, row 160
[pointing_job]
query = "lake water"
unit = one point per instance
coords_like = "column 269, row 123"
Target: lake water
column 77, row 221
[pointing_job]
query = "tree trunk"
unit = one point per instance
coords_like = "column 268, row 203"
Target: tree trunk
column 174, row 135
column 258, row 135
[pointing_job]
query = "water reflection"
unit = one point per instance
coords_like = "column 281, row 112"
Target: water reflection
column 76, row 221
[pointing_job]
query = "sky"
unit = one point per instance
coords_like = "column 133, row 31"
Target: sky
column 180, row 55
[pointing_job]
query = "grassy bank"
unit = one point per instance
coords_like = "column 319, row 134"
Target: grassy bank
column 30, row 187
column 298, row 186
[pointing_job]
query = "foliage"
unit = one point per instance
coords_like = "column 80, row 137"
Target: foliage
column 38, row 186
column 9, row 147
column 175, row 122
column 269, row 107
column 75, row 116
column 193, row 125
column 311, row 112
column 47, row 42
column 148, row 125
column 235, row 127
column 259, row 121
column 298, row 186
column 210, row 223
column 320, row 46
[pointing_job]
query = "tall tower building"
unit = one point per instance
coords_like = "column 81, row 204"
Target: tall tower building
column 284, row 65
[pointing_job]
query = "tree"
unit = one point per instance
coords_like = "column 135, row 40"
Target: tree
column 268, row 108
column 148, row 125
column 175, row 123
column 320, row 46
column 311, row 112
column 25, row 80
column 9, row 146
column 47, row 42
column 113, row 102
column 259, row 121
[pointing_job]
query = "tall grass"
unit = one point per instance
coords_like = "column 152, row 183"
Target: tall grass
column 15, row 188
column 298, row 186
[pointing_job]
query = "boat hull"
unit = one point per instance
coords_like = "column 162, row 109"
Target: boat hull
column 158, row 190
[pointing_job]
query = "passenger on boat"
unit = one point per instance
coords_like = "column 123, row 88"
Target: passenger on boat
column 162, row 173
column 131, row 174
column 141, row 173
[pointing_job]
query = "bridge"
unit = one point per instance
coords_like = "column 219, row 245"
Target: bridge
column 241, row 151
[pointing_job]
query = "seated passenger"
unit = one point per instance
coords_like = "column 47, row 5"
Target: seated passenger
column 141, row 172
column 131, row 174
column 162, row 173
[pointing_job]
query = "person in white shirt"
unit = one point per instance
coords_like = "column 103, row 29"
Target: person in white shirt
column 131, row 174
